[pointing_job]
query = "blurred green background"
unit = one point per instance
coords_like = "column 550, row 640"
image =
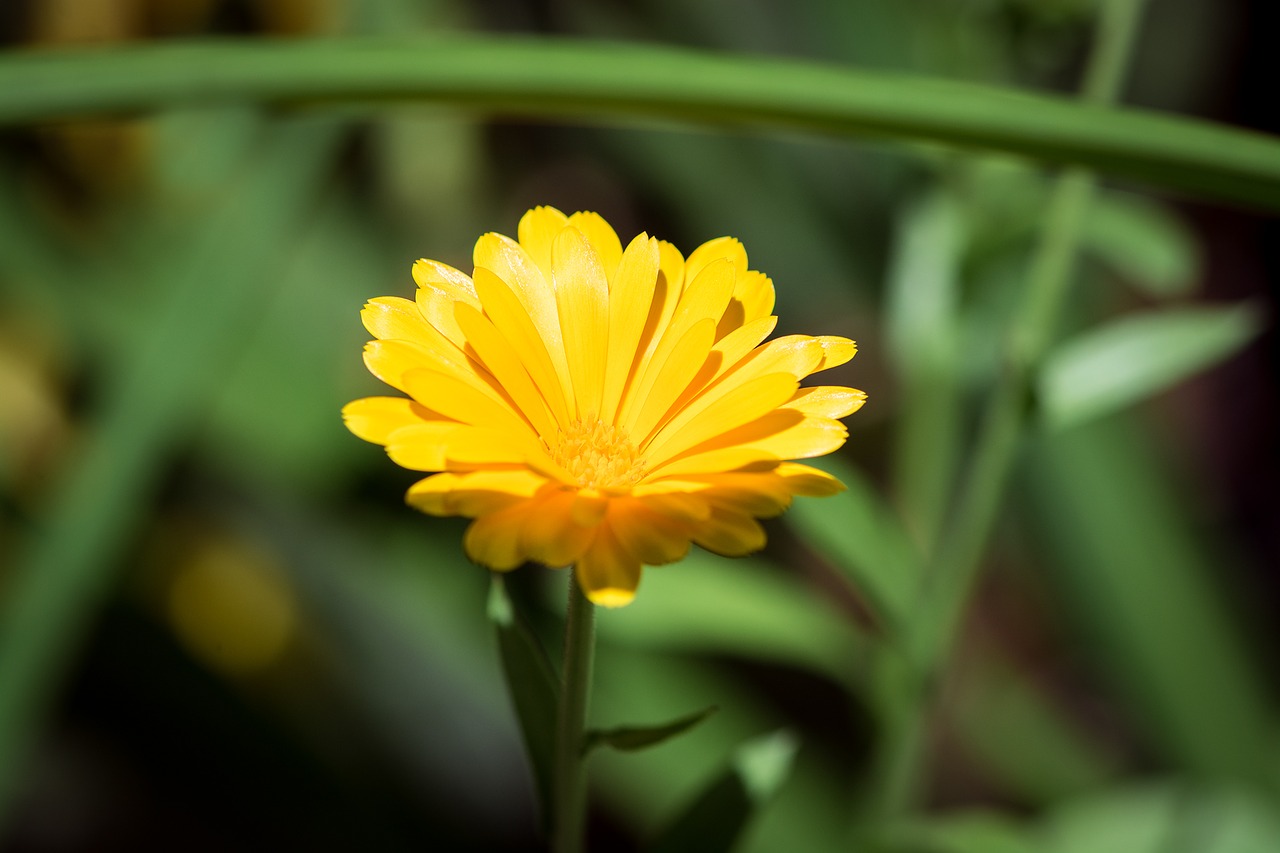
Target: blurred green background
column 259, row 646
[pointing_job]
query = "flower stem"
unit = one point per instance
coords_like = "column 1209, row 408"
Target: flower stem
column 955, row 563
column 569, row 779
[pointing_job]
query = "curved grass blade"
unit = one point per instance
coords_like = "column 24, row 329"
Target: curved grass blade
column 546, row 77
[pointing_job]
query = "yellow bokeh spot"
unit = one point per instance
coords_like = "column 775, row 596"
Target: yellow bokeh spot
column 231, row 608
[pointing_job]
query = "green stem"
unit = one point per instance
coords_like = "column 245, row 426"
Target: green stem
column 955, row 565
column 601, row 80
column 569, row 780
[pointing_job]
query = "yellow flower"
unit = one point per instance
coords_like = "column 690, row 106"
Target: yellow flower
column 600, row 407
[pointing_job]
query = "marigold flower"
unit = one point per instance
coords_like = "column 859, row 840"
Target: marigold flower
column 599, row 407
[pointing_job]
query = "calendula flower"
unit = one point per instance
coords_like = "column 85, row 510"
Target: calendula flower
column 599, row 407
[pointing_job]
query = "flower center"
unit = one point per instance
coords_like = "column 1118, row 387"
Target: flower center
column 598, row 455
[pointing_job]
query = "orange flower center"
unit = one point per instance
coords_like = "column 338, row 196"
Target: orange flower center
column 598, row 455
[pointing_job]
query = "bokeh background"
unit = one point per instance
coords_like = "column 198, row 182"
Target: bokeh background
column 281, row 655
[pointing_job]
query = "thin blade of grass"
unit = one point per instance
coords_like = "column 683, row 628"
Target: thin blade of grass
column 548, row 77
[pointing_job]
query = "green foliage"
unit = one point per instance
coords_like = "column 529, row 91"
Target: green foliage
column 715, row 820
column 632, row 738
column 1127, row 360
column 202, row 334
column 545, row 77
column 533, row 687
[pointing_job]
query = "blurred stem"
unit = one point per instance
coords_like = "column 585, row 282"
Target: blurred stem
column 548, row 77
column 569, row 777
column 954, row 565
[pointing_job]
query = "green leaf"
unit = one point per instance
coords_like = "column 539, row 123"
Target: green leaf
column 757, row 613
column 862, row 537
column 604, row 80
column 533, row 686
column 717, row 818
column 1125, row 361
column 632, row 738
column 1143, row 242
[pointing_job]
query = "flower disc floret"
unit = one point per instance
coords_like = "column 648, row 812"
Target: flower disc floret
column 598, row 455
column 600, row 406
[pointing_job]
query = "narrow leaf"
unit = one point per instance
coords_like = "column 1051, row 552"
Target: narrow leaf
column 921, row 319
column 533, row 687
column 717, row 818
column 760, row 614
column 632, row 738
column 1143, row 242
column 1128, row 360
column 605, row 80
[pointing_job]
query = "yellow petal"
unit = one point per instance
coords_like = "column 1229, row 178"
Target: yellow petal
column 602, row 238
column 704, row 299
column 493, row 539
column 582, row 296
column 630, row 297
column 468, row 446
column 721, row 248
column 795, row 355
column 753, row 298
column 550, row 535
column 473, row 493
column 537, row 231
column 755, row 291
column 725, row 354
column 507, row 366
column 462, row 402
column 589, row 507
column 422, row 447
column 743, row 404
column 787, row 434
column 710, row 462
column 511, row 319
column 393, row 318
column 729, row 533
column 760, row 494
column 654, row 539
column 674, row 500
column 510, row 262
column 440, row 286
column 805, row 480
column 391, row 361
column 664, row 383
column 835, row 351
column 376, row 418
column 798, row 355
column 607, row 572
column 667, row 291
column 828, row 401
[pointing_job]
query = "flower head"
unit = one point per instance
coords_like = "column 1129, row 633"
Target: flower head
column 600, row 407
